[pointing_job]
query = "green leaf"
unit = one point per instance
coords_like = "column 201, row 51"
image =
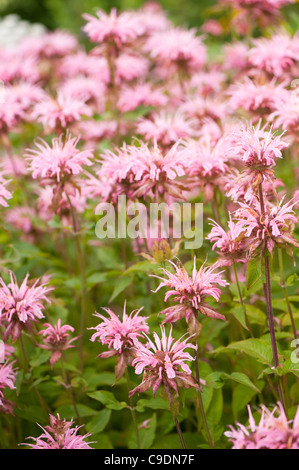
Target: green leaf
column 40, row 357
column 254, row 272
column 255, row 315
column 108, row 399
column 142, row 266
column 99, row 421
column 154, row 403
column 69, row 412
column 120, row 287
column 239, row 313
column 257, row 348
column 241, row 397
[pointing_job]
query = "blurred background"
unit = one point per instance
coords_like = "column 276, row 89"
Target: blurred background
column 67, row 14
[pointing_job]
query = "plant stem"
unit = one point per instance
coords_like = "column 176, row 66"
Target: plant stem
column 200, row 403
column 242, row 301
column 283, row 286
column 179, row 431
column 69, row 389
column 81, row 263
column 267, row 290
column 132, row 409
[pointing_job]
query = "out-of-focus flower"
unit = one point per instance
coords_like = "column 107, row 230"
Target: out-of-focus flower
column 120, row 336
column 276, row 55
column 21, row 306
column 273, row 431
column 60, row 435
column 57, row 114
column 190, row 293
column 60, row 160
column 7, row 380
column 118, row 28
column 4, row 193
column 258, row 99
column 207, row 163
column 286, row 114
column 163, row 364
column 129, row 67
column 21, row 218
column 167, row 128
column 140, row 171
column 178, row 47
column 56, row 339
column 212, row 27
column 142, row 94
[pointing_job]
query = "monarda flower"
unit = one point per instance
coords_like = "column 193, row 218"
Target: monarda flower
column 21, row 306
column 191, row 293
column 206, row 163
column 60, row 435
column 276, row 55
column 141, row 171
column 57, row 114
column 265, row 230
column 273, row 431
column 142, row 94
column 4, row 193
column 7, row 380
column 163, row 364
column 230, row 245
column 177, row 47
column 120, row 336
column 258, row 149
column 56, row 339
column 166, row 128
column 115, row 28
column 59, row 161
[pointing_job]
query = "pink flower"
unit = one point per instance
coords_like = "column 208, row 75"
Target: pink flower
column 7, row 380
column 207, row 163
column 286, row 113
column 60, row 160
column 113, row 27
column 56, row 339
column 231, row 244
column 85, row 89
column 257, row 99
column 141, row 94
column 59, row 113
column 212, row 27
column 21, row 306
column 129, row 67
column 178, row 47
column 140, row 171
column 4, row 193
column 270, row 229
column 273, row 431
column 163, row 363
column 21, row 218
column 60, row 435
column 120, row 335
column 276, row 55
column 166, row 128
column 82, row 64
column 190, row 293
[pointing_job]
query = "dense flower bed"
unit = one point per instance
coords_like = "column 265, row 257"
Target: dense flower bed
column 142, row 341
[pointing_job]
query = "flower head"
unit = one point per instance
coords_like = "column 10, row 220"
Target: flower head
column 273, row 431
column 163, row 363
column 56, row 339
column 20, row 306
column 60, row 435
column 4, row 193
column 120, row 335
column 113, row 27
column 60, row 160
column 191, row 293
column 7, row 380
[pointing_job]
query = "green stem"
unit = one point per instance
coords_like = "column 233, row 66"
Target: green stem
column 242, row 301
column 200, row 403
column 179, row 431
column 132, row 409
column 81, row 263
column 69, row 390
